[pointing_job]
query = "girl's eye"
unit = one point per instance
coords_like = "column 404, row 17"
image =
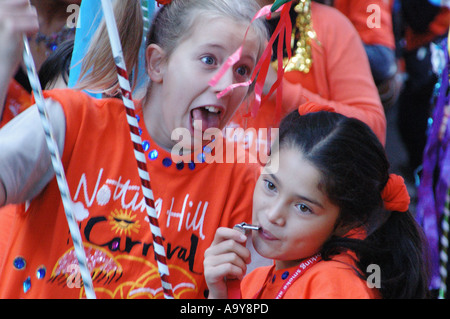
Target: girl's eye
column 209, row 60
column 304, row 209
column 269, row 185
column 243, row 71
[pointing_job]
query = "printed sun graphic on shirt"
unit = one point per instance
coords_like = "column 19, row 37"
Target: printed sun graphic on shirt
column 124, row 222
column 119, row 245
column 102, row 266
column 108, row 277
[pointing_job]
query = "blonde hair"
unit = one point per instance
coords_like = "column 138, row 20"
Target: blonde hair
column 98, row 71
column 170, row 26
column 174, row 22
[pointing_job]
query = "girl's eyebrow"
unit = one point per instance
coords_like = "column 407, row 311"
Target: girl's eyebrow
column 309, row 200
column 249, row 57
column 274, row 178
column 211, row 45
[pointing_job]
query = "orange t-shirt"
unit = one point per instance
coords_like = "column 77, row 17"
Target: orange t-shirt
column 340, row 77
column 17, row 100
column 7, row 219
column 101, row 170
column 333, row 279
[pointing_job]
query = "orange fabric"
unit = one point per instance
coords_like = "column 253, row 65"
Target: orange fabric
column 7, row 219
column 340, row 77
column 311, row 107
column 334, row 279
column 439, row 26
column 17, row 100
column 364, row 14
column 395, row 194
column 103, row 179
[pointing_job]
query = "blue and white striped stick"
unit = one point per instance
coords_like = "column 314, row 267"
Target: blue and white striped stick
column 59, row 170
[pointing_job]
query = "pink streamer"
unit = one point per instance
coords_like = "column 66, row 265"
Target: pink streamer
column 236, row 56
column 283, row 32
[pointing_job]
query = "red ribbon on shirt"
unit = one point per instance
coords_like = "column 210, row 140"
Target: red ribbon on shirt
column 302, row 268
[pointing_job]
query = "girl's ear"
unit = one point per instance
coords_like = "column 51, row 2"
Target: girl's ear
column 155, row 57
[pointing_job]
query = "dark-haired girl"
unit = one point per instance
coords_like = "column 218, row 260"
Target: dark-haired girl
column 332, row 218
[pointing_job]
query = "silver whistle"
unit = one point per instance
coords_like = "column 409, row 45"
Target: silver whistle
column 244, row 227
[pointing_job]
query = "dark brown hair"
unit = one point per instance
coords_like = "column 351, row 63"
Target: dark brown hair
column 355, row 170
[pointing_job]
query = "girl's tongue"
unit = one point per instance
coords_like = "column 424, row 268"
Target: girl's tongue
column 209, row 117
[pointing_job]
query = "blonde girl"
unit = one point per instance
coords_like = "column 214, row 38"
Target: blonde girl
column 188, row 43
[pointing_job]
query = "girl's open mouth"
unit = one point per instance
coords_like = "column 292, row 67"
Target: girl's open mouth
column 206, row 117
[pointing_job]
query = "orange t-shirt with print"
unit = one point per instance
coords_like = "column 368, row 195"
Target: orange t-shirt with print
column 332, row 279
column 192, row 201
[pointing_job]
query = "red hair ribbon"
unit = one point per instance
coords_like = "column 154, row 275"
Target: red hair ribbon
column 395, row 194
column 311, row 107
column 163, row 2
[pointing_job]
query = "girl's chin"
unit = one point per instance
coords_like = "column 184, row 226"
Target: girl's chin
column 264, row 249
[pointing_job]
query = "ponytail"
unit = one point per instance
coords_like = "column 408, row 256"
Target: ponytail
column 395, row 243
column 401, row 244
column 398, row 248
column 98, row 71
column 400, row 252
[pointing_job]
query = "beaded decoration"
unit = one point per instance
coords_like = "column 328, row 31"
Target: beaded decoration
column 55, row 39
column 154, row 155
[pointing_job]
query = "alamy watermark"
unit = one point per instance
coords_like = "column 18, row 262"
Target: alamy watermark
column 373, row 20
column 230, row 145
column 73, row 20
column 374, row 276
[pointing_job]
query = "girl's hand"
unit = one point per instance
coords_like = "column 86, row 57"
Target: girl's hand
column 226, row 258
column 16, row 18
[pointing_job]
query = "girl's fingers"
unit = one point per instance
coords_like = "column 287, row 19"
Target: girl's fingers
column 224, row 233
column 227, row 271
column 227, row 257
column 18, row 17
column 14, row 5
column 227, row 240
column 230, row 258
column 229, row 250
column 19, row 24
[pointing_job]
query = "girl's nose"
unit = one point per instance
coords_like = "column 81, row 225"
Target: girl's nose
column 223, row 86
column 275, row 213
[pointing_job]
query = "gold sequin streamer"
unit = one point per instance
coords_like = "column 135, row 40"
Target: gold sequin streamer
column 302, row 35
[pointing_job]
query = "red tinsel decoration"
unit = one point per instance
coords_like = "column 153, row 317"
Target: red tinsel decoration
column 163, row 2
